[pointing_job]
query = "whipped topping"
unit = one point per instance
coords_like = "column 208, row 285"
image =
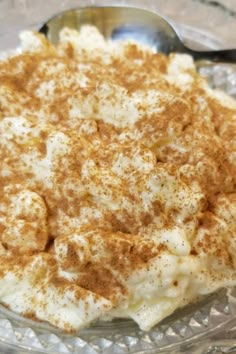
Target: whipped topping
column 117, row 182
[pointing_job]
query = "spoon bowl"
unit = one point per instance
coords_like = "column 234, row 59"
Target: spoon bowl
column 121, row 22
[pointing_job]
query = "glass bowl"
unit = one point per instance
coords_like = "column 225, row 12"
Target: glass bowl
column 208, row 326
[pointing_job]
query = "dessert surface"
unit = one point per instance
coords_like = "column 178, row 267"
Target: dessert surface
column 117, row 182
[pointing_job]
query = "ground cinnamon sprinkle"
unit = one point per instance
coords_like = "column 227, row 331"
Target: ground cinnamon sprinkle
column 117, row 182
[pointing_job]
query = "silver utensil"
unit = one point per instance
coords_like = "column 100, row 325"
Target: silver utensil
column 118, row 22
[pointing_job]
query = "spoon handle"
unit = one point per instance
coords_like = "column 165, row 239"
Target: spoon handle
column 226, row 56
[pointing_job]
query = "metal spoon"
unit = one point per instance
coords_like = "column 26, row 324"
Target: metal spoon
column 118, row 22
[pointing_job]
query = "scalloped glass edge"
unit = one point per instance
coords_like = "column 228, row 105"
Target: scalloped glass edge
column 207, row 327
column 197, row 328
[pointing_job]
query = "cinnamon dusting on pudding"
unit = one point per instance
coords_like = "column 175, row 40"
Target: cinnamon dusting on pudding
column 117, row 182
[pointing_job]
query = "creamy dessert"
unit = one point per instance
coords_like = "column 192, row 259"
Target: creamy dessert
column 117, row 182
